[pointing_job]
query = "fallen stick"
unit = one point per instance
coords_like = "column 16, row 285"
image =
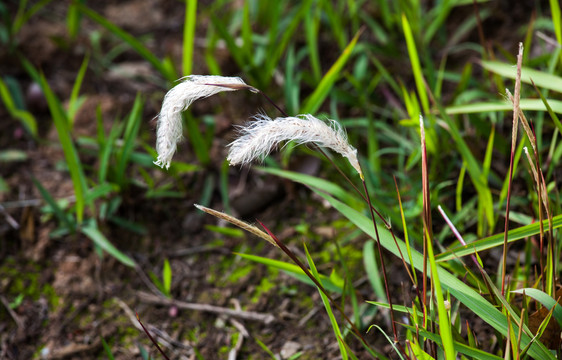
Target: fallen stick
column 248, row 315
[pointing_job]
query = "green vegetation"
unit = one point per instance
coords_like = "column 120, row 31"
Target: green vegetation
column 435, row 134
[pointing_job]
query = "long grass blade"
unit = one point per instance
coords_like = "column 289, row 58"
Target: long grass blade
column 129, row 39
column 26, row 118
column 189, row 36
column 94, row 234
column 461, row 291
column 327, row 306
column 541, row 79
column 70, row 154
column 313, row 102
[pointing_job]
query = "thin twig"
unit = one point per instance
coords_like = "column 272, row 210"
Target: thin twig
column 19, row 322
column 381, row 259
column 248, row 315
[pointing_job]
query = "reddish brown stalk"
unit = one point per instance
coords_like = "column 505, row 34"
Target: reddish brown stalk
column 151, row 338
column 381, row 259
column 427, row 233
column 299, row 263
column 547, row 209
column 516, row 98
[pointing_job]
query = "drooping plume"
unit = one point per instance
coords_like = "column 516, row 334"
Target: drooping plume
column 259, row 137
column 178, row 99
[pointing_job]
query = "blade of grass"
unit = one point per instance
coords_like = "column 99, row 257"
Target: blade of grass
column 327, row 306
column 462, row 292
column 313, row 102
column 548, row 108
column 246, row 30
column 73, row 103
column 444, row 323
column 311, row 23
column 544, row 299
column 515, row 126
column 26, row 118
column 57, row 210
column 542, row 79
column 93, row 233
column 129, row 138
column 415, row 61
column 167, row 277
column 294, row 271
column 142, row 50
column 468, row 350
column 23, row 16
column 372, row 270
column 73, row 18
column 556, row 19
column 484, row 107
column 189, row 36
column 70, row 154
column 497, row 240
column 473, row 168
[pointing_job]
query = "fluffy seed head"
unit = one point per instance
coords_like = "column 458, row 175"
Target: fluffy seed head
column 178, row 99
column 259, row 137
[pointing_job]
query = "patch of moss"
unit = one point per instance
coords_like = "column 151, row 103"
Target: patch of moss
column 266, row 284
column 25, row 280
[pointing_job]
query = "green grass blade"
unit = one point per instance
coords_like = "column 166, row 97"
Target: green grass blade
column 246, row 29
column 26, row 118
column 372, row 270
column 474, row 171
column 488, row 106
column 196, row 138
column 472, row 351
column 244, row 62
column 461, row 291
column 550, row 110
column 415, row 61
column 311, row 23
column 57, row 210
column 70, row 153
column 23, row 16
column 541, row 79
column 544, row 299
column 73, row 18
column 73, row 103
column 444, row 322
column 107, row 349
column 106, row 149
column 279, row 46
column 497, row 240
column 129, row 137
column 294, row 271
column 93, row 233
column 314, row 181
column 189, row 36
column 167, row 278
column 556, row 19
column 313, row 102
column 327, row 306
column 129, row 39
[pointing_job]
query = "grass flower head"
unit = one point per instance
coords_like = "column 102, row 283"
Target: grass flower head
column 178, row 99
column 259, row 137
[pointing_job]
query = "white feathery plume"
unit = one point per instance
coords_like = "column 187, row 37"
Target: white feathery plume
column 178, row 99
column 260, row 136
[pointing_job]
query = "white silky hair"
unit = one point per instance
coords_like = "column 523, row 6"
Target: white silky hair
column 259, row 137
column 178, row 99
